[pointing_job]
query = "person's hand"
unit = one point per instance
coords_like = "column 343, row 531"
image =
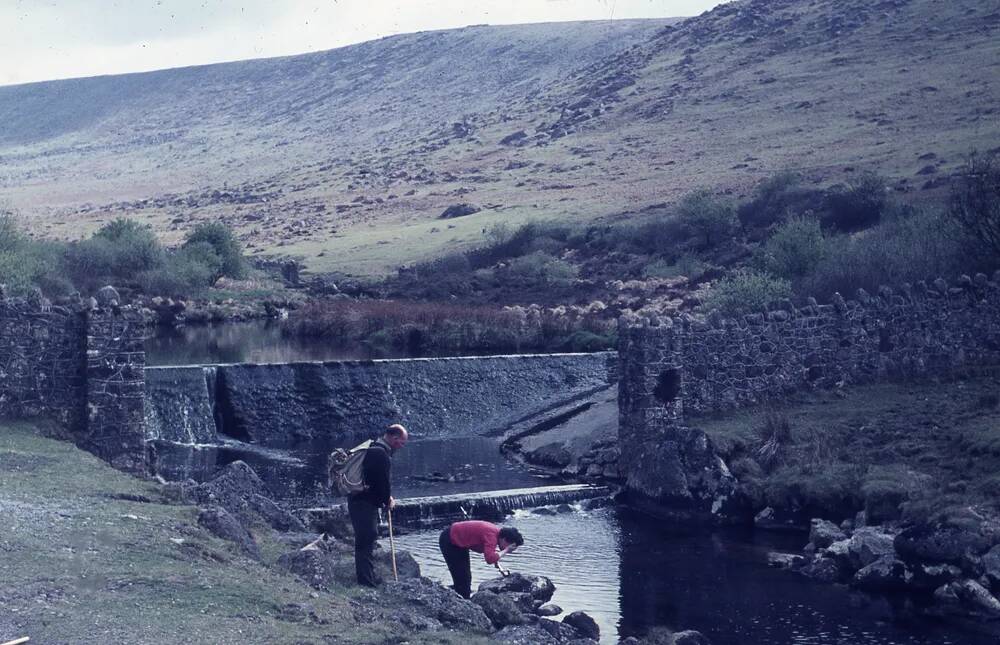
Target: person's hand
column 392, row 503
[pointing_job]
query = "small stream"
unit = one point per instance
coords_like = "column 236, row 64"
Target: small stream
column 630, row 574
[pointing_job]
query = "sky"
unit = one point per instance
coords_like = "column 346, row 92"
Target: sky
column 51, row 39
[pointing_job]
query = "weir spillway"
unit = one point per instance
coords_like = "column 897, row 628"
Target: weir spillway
column 488, row 505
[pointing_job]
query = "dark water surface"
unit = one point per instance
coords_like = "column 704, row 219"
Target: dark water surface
column 256, row 341
column 630, row 574
column 297, row 474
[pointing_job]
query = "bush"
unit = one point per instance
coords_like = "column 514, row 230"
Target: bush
column 795, row 248
column 974, row 202
column 707, row 218
column 187, row 270
column 745, row 291
column 540, row 268
column 858, row 205
column 924, row 246
column 223, row 240
column 117, row 253
column 775, row 198
column 26, row 263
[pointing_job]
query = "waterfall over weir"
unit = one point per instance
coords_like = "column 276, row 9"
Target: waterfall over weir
column 490, row 505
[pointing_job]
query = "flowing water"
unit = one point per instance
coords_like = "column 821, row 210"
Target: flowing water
column 631, row 574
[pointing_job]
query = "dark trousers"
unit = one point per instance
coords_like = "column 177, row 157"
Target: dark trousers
column 364, row 518
column 457, row 559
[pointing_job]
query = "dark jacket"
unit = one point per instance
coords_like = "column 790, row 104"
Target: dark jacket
column 376, row 469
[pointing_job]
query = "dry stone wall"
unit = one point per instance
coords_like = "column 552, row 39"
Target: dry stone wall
column 80, row 364
column 673, row 366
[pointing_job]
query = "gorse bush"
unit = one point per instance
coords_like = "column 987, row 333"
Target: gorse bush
column 859, row 204
column 776, row 198
column 223, row 240
column 23, row 262
column 974, row 202
column 795, row 249
column 746, row 291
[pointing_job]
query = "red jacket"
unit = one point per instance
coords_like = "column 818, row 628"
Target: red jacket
column 477, row 536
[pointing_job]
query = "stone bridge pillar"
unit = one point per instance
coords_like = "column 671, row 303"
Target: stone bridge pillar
column 669, row 469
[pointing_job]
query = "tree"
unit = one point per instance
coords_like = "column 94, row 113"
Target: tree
column 974, row 202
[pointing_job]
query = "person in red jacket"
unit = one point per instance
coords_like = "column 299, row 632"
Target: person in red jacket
column 482, row 537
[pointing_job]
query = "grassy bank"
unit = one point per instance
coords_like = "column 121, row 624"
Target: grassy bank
column 91, row 555
column 899, row 451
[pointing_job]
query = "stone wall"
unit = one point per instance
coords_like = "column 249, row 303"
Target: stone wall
column 79, row 364
column 670, row 367
column 279, row 404
column 42, row 362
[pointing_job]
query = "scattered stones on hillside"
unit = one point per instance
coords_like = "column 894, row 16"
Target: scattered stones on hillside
column 459, row 210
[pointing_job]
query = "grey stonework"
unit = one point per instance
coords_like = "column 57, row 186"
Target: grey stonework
column 672, row 366
column 80, row 365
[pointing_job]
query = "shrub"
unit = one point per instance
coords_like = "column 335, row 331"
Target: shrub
column 26, row 263
column 858, row 205
column 222, row 238
column 974, row 202
column 187, row 270
column 776, row 197
column 920, row 247
column 118, row 253
column 775, row 435
column 707, row 218
column 795, row 248
column 745, row 291
column 541, row 268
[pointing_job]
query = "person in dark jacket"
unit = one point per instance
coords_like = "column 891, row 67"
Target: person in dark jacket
column 363, row 507
column 482, row 537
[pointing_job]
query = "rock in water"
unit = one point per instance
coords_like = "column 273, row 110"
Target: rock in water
column 823, row 533
column 549, row 609
column 540, row 587
column 584, row 624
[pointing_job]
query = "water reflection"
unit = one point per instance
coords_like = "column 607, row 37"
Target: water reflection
column 257, row 341
column 631, row 574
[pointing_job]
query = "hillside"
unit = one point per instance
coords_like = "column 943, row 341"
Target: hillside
column 347, row 158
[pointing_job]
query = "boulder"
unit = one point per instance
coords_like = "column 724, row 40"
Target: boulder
column 939, row 542
column 524, row 635
column 690, row 637
column 551, row 455
column 868, row 544
column 316, row 564
column 885, row 574
column 560, row 631
column 584, row 624
column 969, row 597
column 823, row 569
column 220, row 523
column 540, row 587
column 422, row 597
column 823, row 533
column 500, row 608
column 549, row 609
column 785, row 560
column 239, row 490
column 991, row 567
column 928, row 577
column 458, row 210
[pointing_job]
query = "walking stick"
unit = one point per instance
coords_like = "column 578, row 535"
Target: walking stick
column 392, row 548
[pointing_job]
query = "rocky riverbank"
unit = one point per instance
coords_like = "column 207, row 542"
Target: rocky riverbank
column 947, row 567
column 94, row 555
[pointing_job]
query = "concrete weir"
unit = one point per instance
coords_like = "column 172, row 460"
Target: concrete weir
column 281, row 404
column 488, row 505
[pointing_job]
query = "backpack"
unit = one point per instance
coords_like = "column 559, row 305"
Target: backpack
column 344, row 469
